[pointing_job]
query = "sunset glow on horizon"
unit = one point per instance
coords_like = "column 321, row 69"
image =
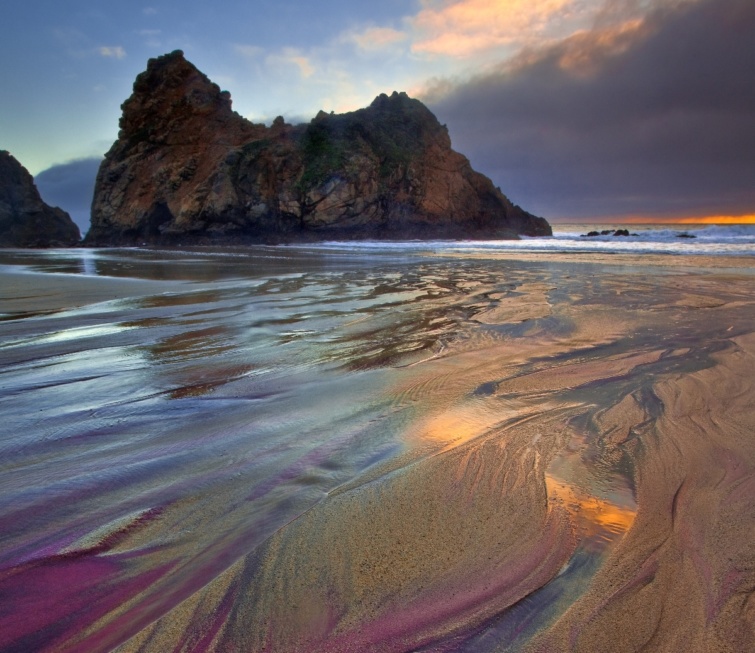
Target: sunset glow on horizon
column 711, row 219
column 720, row 219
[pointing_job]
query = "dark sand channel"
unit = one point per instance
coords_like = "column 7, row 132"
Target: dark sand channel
column 417, row 453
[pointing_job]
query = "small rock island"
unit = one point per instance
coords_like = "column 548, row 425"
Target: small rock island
column 25, row 220
column 188, row 170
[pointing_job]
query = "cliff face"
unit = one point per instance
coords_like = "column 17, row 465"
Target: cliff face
column 25, row 220
column 187, row 169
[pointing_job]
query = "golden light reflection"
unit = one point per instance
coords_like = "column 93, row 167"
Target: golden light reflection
column 594, row 516
column 455, row 426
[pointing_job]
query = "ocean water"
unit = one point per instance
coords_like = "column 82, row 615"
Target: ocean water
column 735, row 240
column 361, row 446
column 707, row 240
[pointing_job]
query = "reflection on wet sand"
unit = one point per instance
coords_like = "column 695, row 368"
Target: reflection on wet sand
column 393, row 455
column 594, row 517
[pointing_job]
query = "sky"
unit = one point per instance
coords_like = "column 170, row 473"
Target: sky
column 580, row 110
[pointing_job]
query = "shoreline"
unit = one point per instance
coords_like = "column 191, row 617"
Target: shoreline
column 702, row 261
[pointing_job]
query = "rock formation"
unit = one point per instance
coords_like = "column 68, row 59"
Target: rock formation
column 25, row 220
column 187, row 169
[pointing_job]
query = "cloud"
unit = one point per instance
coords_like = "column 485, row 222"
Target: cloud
column 249, row 51
column 643, row 117
column 292, row 57
column 71, row 187
column 460, row 28
column 374, row 39
column 149, row 11
column 116, row 51
column 151, row 37
column 73, row 41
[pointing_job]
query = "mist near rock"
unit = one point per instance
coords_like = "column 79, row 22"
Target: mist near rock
column 71, row 186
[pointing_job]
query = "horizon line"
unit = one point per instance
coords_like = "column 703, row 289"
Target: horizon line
column 711, row 219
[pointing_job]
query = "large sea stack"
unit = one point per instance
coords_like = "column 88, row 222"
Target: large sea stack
column 187, row 169
column 25, row 220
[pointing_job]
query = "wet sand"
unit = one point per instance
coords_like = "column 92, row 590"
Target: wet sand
column 24, row 294
column 515, row 453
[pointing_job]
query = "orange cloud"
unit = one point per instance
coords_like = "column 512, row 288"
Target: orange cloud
column 585, row 53
column 464, row 27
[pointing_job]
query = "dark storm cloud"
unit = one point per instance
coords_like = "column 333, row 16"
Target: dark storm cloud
column 71, row 187
column 657, row 117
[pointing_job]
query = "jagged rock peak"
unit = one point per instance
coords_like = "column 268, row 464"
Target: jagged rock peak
column 399, row 101
column 25, row 220
column 397, row 98
column 170, row 92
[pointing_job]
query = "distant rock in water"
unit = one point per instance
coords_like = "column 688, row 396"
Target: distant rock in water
column 608, row 232
column 25, row 220
column 187, row 169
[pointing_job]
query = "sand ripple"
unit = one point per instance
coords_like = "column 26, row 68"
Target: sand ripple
column 427, row 455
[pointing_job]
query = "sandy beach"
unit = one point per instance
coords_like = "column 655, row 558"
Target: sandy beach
column 498, row 452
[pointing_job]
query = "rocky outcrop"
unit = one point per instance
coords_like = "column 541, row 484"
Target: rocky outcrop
column 25, row 220
column 187, row 169
column 608, row 232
